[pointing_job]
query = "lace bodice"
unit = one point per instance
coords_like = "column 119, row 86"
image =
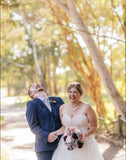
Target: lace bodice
column 79, row 121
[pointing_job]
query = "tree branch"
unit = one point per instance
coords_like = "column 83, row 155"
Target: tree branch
column 18, row 64
column 63, row 6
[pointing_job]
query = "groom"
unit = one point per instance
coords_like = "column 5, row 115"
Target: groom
column 43, row 118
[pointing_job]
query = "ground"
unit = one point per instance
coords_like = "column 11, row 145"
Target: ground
column 18, row 141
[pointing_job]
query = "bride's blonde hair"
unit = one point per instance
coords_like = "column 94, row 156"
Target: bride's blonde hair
column 77, row 85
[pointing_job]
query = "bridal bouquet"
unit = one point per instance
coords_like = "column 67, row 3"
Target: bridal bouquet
column 73, row 138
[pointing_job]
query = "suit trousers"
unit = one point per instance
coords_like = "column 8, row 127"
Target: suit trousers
column 45, row 155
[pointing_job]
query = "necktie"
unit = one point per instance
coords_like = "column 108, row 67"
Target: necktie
column 46, row 101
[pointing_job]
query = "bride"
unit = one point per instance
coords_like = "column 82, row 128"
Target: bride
column 81, row 115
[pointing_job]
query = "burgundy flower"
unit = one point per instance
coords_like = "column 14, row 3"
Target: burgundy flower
column 74, row 136
column 80, row 145
column 52, row 101
column 65, row 137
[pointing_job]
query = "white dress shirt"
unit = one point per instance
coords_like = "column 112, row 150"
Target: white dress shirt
column 46, row 101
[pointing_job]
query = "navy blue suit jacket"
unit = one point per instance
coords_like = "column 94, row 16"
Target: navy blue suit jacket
column 41, row 122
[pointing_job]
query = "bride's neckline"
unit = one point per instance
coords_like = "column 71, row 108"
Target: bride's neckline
column 74, row 115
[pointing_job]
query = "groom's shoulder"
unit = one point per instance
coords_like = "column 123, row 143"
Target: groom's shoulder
column 33, row 101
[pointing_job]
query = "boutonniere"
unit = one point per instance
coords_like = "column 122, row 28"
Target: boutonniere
column 52, row 101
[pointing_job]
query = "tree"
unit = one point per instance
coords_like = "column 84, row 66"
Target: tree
column 82, row 63
column 104, row 74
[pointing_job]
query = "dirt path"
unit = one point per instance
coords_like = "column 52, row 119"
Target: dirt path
column 19, row 141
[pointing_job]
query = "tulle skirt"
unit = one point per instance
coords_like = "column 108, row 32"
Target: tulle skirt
column 89, row 151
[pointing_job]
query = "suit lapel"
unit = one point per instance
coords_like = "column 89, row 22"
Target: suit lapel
column 42, row 104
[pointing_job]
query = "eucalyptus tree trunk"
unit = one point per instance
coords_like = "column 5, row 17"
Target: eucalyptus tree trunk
column 8, row 87
column 55, row 76
column 104, row 74
column 36, row 62
column 92, row 81
column 49, row 77
column 93, row 85
column 38, row 69
column 31, row 41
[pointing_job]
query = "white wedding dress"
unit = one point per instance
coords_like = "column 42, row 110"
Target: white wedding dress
column 89, row 151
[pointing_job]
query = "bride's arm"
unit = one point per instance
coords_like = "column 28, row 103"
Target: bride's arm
column 60, row 131
column 92, row 118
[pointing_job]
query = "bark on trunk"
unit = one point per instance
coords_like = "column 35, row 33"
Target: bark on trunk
column 55, row 78
column 49, row 77
column 36, row 62
column 8, row 87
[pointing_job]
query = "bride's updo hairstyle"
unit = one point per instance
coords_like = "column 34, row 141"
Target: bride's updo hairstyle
column 77, row 85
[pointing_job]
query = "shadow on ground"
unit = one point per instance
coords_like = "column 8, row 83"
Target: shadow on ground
column 111, row 152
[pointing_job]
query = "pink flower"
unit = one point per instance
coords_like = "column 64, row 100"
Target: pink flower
column 75, row 145
column 73, row 129
column 82, row 137
column 68, row 145
column 72, row 140
column 68, row 133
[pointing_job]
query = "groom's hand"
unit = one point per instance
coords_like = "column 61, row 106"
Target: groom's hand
column 52, row 137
